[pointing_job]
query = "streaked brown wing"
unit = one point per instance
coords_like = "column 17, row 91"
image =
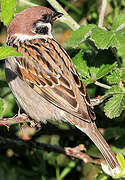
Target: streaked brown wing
column 48, row 69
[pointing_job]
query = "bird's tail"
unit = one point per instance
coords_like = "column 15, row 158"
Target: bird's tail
column 100, row 142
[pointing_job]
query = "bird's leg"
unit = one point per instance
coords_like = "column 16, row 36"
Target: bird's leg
column 19, row 111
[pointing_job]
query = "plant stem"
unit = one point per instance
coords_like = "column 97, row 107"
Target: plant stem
column 102, row 13
column 66, row 18
column 24, row 2
column 75, row 152
column 102, row 85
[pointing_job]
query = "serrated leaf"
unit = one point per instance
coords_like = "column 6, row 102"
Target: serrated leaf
column 114, row 77
column 104, row 39
column 93, row 71
column 112, row 91
column 119, row 38
column 104, row 69
column 80, row 35
column 7, row 11
column 119, row 22
column 123, row 75
column 81, row 65
column 121, row 52
column 90, row 74
column 115, row 106
column 116, row 90
column 101, row 37
column 7, row 52
column 1, row 106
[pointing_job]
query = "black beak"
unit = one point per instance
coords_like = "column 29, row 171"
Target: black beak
column 56, row 15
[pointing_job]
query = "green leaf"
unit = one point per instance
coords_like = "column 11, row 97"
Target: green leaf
column 115, row 106
column 116, row 90
column 90, row 74
column 7, row 52
column 81, row 65
column 67, row 170
column 1, row 107
column 104, row 39
column 7, row 11
column 114, row 132
column 123, row 75
column 112, row 91
column 119, row 22
column 93, row 71
column 101, row 37
column 87, row 74
column 104, row 69
column 80, row 35
column 121, row 52
column 121, row 160
column 114, row 77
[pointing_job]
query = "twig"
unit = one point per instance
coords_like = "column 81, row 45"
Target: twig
column 96, row 101
column 14, row 120
column 24, row 2
column 73, row 152
column 102, row 13
column 102, row 85
column 76, row 152
column 66, row 18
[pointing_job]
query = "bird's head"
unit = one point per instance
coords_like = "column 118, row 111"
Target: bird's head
column 33, row 22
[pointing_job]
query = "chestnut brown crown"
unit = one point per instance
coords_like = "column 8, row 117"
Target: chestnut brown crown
column 32, row 21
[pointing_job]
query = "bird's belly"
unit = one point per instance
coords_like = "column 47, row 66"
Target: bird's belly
column 31, row 102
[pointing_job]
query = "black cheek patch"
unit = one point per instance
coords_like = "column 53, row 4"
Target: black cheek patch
column 42, row 30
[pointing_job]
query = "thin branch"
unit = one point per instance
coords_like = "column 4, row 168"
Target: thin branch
column 102, row 85
column 14, row 120
column 73, row 152
column 24, row 2
column 102, row 13
column 96, row 101
column 76, row 152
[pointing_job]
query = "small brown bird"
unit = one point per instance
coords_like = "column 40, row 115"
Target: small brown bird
column 44, row 81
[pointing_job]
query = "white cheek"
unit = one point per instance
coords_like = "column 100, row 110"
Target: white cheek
column 41, row 24
column 23, row 37
column 49, row 28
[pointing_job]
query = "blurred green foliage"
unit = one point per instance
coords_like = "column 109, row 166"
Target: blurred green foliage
column 99, row 55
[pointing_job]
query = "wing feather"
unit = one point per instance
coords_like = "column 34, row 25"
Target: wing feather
column 48, row 69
